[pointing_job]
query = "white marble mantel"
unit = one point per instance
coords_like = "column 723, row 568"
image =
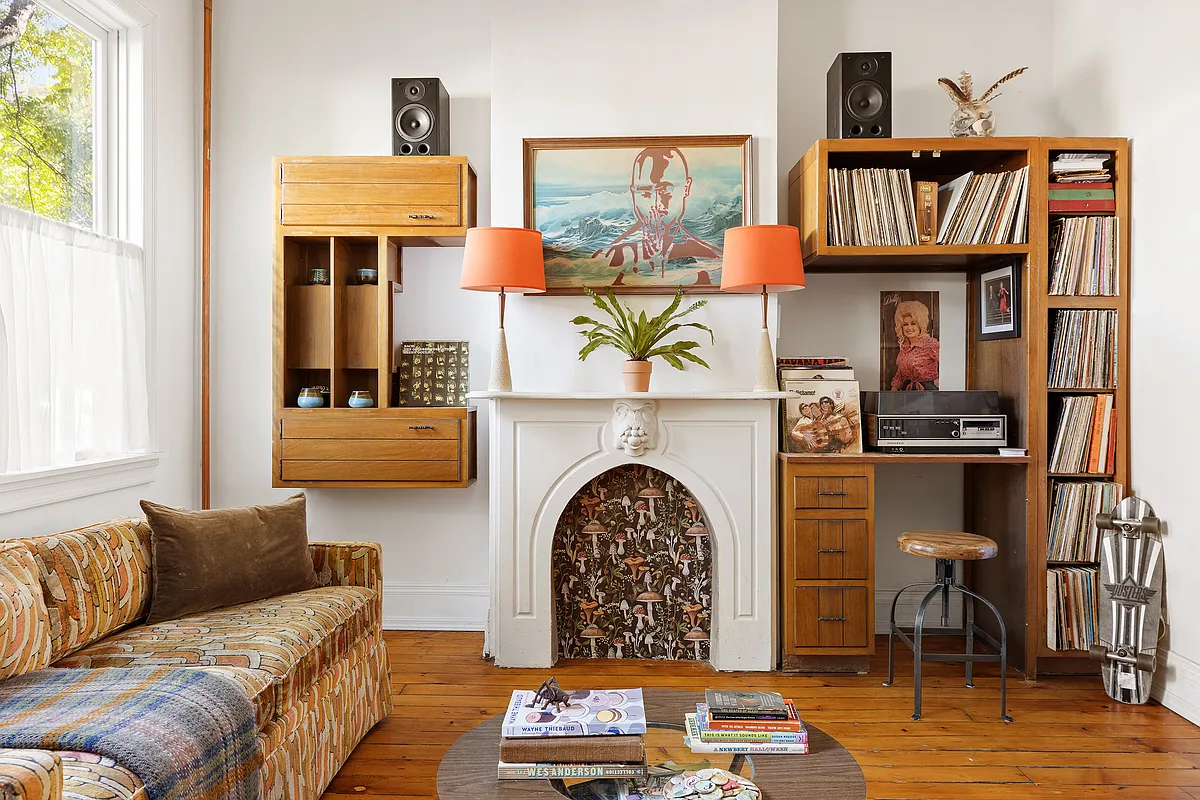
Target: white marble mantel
column 546, row 445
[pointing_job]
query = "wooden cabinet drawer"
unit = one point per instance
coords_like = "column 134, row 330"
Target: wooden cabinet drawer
column 370, row 194
column 830, row 492
column 370, row 428
column 830, row 549
column 371, row 449
column 369, row 470
column 830, row 616
column 407, row 216
column 369, row 171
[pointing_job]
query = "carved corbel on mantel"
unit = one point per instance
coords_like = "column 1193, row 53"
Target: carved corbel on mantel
column 635, row 426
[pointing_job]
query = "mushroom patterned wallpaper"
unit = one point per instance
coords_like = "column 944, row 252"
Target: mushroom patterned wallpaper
column 632, row 569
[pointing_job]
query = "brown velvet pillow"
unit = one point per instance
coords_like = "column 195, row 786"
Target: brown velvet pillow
column 209, row 559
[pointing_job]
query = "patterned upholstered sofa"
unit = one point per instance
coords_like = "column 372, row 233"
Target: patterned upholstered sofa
column 314, row 662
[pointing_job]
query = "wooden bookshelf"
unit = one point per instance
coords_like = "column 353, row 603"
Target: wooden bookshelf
column 343, row 215
column 1007, row 499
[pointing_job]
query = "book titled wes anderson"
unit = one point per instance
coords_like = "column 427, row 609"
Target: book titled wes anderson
column 590, row 713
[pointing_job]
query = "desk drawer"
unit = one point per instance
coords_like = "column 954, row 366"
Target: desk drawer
column 832, row 617
column 830, row 492
column 830, row 549
column 298, row 470
column 370, row 449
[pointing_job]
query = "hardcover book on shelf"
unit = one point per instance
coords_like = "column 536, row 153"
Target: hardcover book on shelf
column 698, row 745
column 589, row 713
column 728, row 704
column 433, row 373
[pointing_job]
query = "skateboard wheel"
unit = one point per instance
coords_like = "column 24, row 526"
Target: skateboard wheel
column 1104, row 521
column 1098, row 652
column 1151, row 525
column 1146, row 662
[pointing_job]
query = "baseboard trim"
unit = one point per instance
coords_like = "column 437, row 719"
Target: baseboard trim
column 1177, row 685
column 435, row 607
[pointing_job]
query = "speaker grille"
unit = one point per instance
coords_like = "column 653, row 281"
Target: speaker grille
column 414, row 122
column 865, row 101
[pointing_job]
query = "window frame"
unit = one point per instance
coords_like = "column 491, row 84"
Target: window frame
column 122, row 206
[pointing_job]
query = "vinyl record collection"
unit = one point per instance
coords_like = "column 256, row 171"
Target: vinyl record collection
column 1083, row 353
column 1086, row 438
column 988, row 208
column 1071, row 609
column 1084, row 260
column 1073, row 532
column 872, row 207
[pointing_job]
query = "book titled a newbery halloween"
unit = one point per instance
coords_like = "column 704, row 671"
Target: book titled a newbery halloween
column 595, row 712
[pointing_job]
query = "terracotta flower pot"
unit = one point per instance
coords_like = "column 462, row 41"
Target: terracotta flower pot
column 637, row 376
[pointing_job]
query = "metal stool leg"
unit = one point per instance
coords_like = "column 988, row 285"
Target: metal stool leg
column 1003, row 652
column 892, row 631
column 969, row 603
column 917, row 628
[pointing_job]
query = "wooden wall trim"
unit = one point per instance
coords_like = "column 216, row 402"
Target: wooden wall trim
column 205, row 263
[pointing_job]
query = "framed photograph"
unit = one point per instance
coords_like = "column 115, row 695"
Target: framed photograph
column 1000, row 303
column 640, row 214
column 910, row 350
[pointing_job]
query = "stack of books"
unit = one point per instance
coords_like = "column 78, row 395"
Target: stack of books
column 1080, row 182
column 990, row 208
column 1073, row 532
column 1084, row 260
column 872, row 207
column 599, row 734
column 1071, row 609
column 1080, row 168
column 1086, row 439
column 745, row 722
column 1083, row 353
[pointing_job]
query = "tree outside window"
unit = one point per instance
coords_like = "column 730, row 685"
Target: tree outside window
column 46, row 114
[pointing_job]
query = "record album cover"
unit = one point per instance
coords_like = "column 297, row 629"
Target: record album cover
column 823, row 417
column 433, row 373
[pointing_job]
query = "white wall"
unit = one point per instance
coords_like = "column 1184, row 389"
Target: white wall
column 1117, row 74
column 839, row 314
column 292, row 79
column 174, row 282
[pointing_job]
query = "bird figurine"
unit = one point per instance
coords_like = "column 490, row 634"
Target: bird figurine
column 973, row 116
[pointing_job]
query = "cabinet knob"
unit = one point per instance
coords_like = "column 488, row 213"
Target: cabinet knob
column 420, row 216
column 831, row 550
column 831, row 619
column 420, row 427
column 831, row 494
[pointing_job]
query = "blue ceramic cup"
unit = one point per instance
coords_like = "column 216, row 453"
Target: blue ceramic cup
column 361, row 400
column 310, row 398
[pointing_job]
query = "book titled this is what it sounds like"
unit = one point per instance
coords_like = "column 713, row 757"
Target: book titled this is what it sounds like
column 589, row 713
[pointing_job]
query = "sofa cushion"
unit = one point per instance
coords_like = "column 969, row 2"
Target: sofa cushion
column 25, row 643
column 95, row 580
column 292, row 638
column 222, row 557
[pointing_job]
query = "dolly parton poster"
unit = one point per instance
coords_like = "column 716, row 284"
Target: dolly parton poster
column 639, row 214
column 910, row 352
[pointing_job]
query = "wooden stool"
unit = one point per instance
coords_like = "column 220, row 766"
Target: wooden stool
column 947, row 547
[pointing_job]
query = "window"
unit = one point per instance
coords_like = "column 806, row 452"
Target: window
column 48, row 77
column 74, row 365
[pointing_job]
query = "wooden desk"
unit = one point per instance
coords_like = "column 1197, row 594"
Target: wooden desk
column 827, row 555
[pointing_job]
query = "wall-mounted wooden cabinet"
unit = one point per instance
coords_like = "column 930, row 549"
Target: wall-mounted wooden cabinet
column 340, row 227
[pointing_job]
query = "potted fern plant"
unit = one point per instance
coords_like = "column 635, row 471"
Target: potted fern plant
column 639, row 338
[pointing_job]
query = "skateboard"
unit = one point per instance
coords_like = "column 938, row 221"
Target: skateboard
column 1131, row 575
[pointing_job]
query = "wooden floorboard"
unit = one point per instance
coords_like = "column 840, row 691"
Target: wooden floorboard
column 1068, row 741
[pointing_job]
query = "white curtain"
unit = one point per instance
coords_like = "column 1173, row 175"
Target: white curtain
column 73, row 383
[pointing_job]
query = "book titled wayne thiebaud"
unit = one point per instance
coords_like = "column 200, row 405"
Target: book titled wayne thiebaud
column 590, row 713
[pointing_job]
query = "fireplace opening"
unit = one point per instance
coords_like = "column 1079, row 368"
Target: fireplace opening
column 631, row 569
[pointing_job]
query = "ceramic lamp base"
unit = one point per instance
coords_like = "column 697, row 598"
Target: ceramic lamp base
column 500, row 379
column 766, row 381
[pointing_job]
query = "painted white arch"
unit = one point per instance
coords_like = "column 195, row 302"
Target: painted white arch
column 544, row 449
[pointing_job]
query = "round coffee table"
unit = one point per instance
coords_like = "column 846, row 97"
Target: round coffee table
column 828, row 771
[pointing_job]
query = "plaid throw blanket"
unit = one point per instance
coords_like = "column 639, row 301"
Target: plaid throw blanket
column 187, row 734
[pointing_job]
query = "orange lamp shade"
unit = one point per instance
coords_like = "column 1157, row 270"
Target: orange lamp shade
column 508, row 259
column 762, row 255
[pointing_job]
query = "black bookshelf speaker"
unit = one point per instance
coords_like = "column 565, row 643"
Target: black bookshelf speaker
column 420, row 117
column 859, row 96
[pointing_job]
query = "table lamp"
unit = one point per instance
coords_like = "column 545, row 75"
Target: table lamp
column 763, row 258
column 499, row 260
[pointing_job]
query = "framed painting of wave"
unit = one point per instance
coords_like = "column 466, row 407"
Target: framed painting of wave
column 641, row 214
